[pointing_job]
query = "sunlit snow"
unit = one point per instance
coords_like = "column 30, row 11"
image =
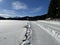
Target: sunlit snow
column 12, row 32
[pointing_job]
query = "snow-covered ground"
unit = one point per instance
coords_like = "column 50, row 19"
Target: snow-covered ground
column 52, row 27
column 12, row 32
column 52, row 22
column 44, row 34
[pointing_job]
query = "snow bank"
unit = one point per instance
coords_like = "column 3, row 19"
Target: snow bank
column 53, row 33
column 51, row 22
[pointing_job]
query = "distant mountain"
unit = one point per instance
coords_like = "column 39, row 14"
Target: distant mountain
column 43, row 17
column 2, row 18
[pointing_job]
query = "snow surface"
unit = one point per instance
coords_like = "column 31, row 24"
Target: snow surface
column 12, row 32
column 52, row 27
column 51, row 22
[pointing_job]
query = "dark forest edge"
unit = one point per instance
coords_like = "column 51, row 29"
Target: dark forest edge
column 43, row 17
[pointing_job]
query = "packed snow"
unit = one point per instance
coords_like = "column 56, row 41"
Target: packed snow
column 52, row 27
column 51, row 22
column 12, row 32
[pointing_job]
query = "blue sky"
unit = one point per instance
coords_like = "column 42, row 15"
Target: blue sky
column 11, row 8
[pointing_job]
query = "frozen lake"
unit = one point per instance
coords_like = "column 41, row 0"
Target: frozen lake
column 12, row 32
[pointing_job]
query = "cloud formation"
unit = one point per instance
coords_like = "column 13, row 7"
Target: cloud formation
column 8, row 13
column 5, row 15
column 19, row 5
column 36, row 9
column 1, row 0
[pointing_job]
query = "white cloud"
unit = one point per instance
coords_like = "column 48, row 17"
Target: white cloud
column 5, row 15
column 1, row 0
column 9, row 13
column 19, row 5
column 36, row 10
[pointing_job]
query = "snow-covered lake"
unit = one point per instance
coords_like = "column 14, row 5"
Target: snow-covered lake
column 12, row 32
